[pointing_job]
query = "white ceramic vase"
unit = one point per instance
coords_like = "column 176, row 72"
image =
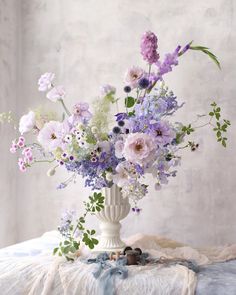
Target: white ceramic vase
column 115, row 209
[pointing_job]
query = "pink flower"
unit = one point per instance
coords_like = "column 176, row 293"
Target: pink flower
column 22, row 165
column 51, row 135
column 17, row 144
column 139, row 148
column 45, row 81
column 81, row 114
column 149, row 47
column 27, row 122
column 56, row 93
column 28, row 155
column 119, row 146
column 133, row 75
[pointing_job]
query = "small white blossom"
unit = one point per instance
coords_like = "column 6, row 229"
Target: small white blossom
column 45, row 81
column 27, row 122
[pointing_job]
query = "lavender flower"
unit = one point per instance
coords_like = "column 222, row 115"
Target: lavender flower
column 149, row 47
column 171, row 59
column 66, row 223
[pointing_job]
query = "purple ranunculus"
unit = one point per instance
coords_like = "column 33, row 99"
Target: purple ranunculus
column 149, row 47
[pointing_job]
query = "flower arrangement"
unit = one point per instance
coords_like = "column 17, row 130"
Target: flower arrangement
column 119, row 150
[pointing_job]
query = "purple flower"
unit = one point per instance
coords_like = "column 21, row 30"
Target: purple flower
column 127, row 89
column 151, row 108
column 61, row 186
column 143, row 83
column 186, row 48
column 149, row 47
column 171, row 59
column 121, row 116
column 163, row 132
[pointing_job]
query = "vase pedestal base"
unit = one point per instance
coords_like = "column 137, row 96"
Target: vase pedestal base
column 109, row 240
column 115, row 209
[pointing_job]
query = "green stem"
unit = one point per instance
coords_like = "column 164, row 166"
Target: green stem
column 149, row 72
column 44, row 161
column 64, row 107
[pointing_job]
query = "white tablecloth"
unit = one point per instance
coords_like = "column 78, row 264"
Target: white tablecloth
column 30, row 269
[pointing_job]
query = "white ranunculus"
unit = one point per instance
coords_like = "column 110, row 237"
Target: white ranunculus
column 27, row 122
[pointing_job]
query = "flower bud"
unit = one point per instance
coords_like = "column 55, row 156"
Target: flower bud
column 51, row 172
column 109, row 176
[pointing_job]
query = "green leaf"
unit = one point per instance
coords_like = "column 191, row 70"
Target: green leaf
column 218, row 134
column 55, row 251
column 207, row 52
column 73, row 249
column 217, row 116
column 224, row 143
column 93, row 232
column 66, row 250
column 211, row 114
column 95, row 241
column 129, row 102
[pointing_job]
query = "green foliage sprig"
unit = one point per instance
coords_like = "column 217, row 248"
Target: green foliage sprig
column 188, row 129
column 71, row 243
column 221, row 126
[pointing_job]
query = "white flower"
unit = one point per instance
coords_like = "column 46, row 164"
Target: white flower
column 56, row 93
column 109, row 176
column 107, row 89
column 68, row 138
column 51, row 135
column 119, row 146
column 45, row 81
column 27, row 122
column 122, row 176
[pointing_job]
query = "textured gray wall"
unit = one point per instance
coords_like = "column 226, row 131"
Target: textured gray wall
column 87, row 43
column 9, row 18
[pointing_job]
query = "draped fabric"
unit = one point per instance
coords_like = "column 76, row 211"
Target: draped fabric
column 30, row 268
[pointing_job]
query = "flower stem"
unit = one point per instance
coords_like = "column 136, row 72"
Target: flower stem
column 44, row 161
column 64, row 107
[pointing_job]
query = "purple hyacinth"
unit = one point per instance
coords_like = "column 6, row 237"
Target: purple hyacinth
column 149, row 47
